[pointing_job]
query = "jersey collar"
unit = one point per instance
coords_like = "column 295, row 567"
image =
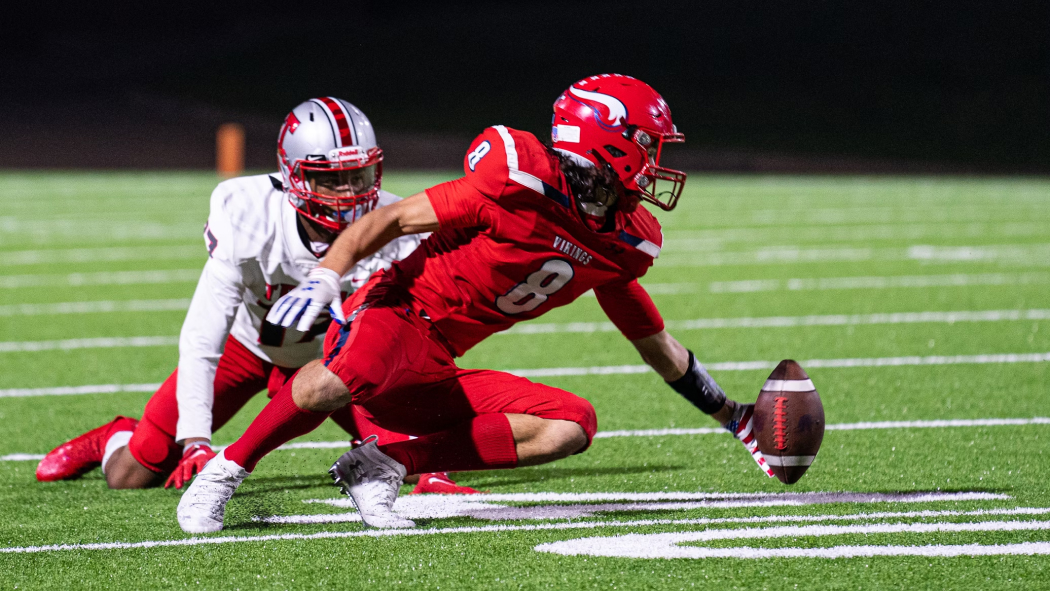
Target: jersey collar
column 294, row 245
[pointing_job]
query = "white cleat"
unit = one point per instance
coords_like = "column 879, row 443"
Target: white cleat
column 372, row 480
column 203, row 505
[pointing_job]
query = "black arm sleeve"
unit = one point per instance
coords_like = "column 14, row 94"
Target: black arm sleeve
column 698, row 387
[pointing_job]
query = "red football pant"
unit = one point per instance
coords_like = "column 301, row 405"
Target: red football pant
column 239, row 376
column 404, row 379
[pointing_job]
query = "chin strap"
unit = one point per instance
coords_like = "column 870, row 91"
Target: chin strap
column 699, row 388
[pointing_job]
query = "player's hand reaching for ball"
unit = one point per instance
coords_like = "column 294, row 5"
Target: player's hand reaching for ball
column 194, row 457
column 304, row 303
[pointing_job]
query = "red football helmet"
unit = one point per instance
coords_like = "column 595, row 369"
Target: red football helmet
column 622, row 122
column 330, row 162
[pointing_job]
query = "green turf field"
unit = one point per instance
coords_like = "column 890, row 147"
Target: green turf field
column 911, row 301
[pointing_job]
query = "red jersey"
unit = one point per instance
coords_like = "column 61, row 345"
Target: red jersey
column 512, row 245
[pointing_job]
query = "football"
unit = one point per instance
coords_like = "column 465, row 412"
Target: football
column 789, row 421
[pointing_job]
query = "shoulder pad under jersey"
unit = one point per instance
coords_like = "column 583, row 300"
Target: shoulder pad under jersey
column 239, row 218
column 502, row 157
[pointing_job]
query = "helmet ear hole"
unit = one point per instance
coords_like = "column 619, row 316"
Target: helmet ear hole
column 614, row 151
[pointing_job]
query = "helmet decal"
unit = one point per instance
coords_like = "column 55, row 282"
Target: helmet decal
column 339, row 116
column 566, row 133
column 291, row 123
column 617, row 110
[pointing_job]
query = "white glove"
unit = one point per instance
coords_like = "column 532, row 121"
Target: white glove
column 304, row 303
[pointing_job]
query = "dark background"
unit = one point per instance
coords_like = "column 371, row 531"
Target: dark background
column 827, row 86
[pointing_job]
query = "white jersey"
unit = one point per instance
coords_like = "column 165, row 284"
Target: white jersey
column 256, row 256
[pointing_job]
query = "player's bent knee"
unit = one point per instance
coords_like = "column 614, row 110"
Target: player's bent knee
column 541, row 440
column 317, row 389
column 568, row 438
column 124, row 472
column 581, row 412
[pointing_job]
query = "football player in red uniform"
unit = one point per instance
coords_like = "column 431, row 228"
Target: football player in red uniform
column 265, row 233
column 527, row 229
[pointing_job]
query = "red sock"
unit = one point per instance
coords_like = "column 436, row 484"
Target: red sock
column 353, row 421
column 344, row 417
column 482, row 443
column 279, row 422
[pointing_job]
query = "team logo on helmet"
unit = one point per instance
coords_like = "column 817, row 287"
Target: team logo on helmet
column 291, row 123
column 617, row 111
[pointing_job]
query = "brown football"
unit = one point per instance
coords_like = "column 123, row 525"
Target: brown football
column 789, row 421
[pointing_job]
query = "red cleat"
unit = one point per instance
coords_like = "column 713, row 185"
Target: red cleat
column 81, row 455
column 440, row 483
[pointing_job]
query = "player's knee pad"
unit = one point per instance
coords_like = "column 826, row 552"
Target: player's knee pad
column 154, row 448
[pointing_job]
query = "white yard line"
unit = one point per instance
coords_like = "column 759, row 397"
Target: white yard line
column 595, row 327
column 809, row 216
column 708, row 239
column 810, row 363
column 1022, row 254
column 578, row 505
column 102, row 278
column 793, row 498
column 21, row 457
column 77, row 390
column 103, row 306
column 376, row 533
column 864, row 426
column 793, row 321
column 873, row 282
column 587, row 327
column 18, row 231
column 869, row 425
column 97, row 343
column 841, row 283
column 1027, row 253
column 1001, row 358
column 666, row 545
column 96, row 255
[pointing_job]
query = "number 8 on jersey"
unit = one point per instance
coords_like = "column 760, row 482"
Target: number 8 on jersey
column 529, row 294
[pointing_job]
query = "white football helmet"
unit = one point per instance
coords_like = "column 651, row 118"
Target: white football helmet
column 330, row 162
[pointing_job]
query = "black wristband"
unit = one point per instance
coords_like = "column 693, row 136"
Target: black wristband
column 698, row 387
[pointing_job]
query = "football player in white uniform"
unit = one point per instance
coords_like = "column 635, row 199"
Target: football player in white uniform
column 264, row 235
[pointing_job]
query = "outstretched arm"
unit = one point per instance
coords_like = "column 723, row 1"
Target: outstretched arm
column 633, row 312
column 687, row 376
column 412, row 215
column 365, row 237
column 664, row 354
